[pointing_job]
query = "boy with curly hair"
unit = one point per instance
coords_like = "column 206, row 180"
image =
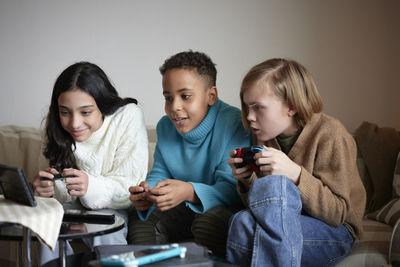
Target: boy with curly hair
column 190, row 191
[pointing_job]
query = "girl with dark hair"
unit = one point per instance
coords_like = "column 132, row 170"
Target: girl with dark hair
column 98, row 140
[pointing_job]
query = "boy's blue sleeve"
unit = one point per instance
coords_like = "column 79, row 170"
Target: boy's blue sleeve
column 223, row 191
column 158, row 173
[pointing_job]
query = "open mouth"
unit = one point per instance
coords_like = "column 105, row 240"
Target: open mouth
column 255, row 130
column 180, row 121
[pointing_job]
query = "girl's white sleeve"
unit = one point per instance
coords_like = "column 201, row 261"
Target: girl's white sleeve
column 129, row 167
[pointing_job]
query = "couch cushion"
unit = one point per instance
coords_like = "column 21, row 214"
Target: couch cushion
column 373, row 248
column 390, row 212
column 21, row 147
column 379, row 147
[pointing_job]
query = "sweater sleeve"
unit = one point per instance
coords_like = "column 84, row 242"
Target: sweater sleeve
column 223, row 191
column 158, row 173
column 326, row 191
column 129, row 165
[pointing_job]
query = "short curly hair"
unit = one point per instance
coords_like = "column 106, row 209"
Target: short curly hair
column 196, row 61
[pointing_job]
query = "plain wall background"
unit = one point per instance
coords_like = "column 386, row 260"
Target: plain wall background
column 352, row 48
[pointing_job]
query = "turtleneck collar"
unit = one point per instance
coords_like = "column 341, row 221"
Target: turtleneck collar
column 99, row 132
column 205, row 126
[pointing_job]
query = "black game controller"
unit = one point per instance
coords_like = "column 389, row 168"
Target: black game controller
column 137, row 193
column 56, row 177
column 247, row 154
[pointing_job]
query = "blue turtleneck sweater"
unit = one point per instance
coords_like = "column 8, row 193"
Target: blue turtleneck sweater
column 200, row 157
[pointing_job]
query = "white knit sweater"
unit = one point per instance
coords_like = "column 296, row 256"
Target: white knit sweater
column 114, row 157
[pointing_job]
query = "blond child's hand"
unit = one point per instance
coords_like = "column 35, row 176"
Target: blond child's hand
column 77, row 184
column 241, row 174
column 276, row 162
column 138, row 196
column 44, row 188
column 170, row 193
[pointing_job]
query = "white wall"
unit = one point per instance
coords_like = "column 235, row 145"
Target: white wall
column 349, row 46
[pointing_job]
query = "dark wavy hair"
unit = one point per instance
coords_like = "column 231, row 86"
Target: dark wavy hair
column 92, row 80
column 197, row 61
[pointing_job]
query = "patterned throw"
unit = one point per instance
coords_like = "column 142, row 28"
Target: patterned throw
column 44, row 220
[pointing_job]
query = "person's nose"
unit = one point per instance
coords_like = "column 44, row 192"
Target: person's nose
column 75, row 121
column 250, row 115
column 176, row 104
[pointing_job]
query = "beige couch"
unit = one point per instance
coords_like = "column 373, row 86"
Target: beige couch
column 20, row 146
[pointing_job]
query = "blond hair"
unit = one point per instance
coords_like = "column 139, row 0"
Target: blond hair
column 288, row 80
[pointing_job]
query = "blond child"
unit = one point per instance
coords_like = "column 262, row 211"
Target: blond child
column 304, row 207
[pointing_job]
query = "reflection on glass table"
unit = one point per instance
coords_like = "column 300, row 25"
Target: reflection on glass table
column 68, row 231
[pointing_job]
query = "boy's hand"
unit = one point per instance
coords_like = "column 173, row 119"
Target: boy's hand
column 170, row 193
column 44, row 188
column 138, row 196
column 276, row 162
column 77, row 184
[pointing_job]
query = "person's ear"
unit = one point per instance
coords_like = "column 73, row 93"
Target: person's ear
column 212, row 94
column 292, row 111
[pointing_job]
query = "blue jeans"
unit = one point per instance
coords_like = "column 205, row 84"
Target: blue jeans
column 273, row 232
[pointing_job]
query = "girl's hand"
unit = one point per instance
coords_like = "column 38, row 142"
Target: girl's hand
column 44, row 188
column 241, row 174
column 170, row 193
column 138, row 196
column 276, row 162
column 77, row 184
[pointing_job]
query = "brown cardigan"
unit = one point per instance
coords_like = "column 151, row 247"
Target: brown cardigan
column 330, row 186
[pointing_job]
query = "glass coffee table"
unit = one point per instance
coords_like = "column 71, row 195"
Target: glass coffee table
column 69, row 231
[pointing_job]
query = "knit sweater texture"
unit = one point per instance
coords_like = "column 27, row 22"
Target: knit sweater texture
column 330, row 186
column 114, row 157
column 200, row 157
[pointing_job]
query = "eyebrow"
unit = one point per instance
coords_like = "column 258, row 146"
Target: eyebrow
column 179, row 91
column 82, row 107
column 252, row 103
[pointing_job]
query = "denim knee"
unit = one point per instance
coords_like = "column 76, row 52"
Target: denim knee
column 275, row 204
column 277, row 189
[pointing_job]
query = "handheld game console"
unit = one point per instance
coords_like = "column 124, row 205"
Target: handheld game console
column 247, row 154
column 56, row 177
column 145, row 256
